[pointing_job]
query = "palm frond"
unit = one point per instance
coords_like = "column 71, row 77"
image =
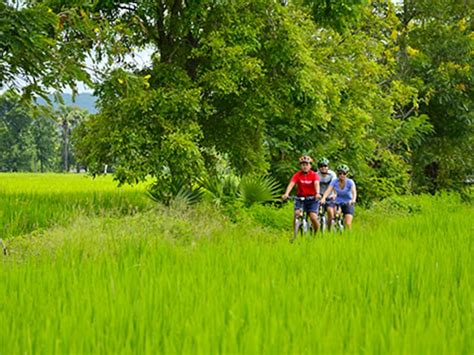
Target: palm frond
column 218, row 189
column 258, row 189
column 176, row 192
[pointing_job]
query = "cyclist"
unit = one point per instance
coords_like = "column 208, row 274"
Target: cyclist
column 307, row 182
column 325, row 177
column 346, row 193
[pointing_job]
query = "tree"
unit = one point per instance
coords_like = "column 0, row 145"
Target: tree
column 16, row 151
column 336, row 14
column 27, row 142
column 211, row 85
column 46, row 144
column 33, row 56
column 67, row 119
column 257, row 81
column 436, row 41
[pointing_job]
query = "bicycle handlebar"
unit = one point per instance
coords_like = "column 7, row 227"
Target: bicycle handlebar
column 294, row 198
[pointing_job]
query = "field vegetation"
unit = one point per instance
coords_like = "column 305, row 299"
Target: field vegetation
column 183, row 279
column 34, row 201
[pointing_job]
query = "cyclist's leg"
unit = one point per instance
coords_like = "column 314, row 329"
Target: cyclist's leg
column 296, row 222
column 331, row 213
column 298, row 213
column 312, row 208
column 323, row 222
column 299, row 205
column 348, row 211
column 348, row 220
column 337, row 225
column 314, row 220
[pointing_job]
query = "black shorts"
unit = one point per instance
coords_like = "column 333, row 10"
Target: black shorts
column 347, row 209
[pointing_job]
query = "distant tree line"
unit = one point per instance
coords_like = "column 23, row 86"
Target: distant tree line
column 246, row 86
column 37, row 140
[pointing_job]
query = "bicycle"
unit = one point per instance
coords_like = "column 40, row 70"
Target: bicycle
column 302, row 225
column 338, row 224
column 322, row 218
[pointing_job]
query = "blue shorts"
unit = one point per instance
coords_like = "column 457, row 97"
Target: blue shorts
column 330, row 202
column 307, row 205
column 347, row 209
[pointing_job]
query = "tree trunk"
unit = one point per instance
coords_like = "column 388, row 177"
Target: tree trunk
column 66, row 146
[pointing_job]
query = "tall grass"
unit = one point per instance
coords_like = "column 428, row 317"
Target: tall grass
column 30, row 202
column 184, row 280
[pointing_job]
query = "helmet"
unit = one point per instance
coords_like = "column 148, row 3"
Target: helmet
column 342, row 167
column 305, row 159
column 323, row 161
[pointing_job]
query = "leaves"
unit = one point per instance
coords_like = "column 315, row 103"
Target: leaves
column 258, row 189
column 257, row 82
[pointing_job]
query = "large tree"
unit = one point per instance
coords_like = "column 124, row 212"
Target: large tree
column 436, row 42
column 259, row 81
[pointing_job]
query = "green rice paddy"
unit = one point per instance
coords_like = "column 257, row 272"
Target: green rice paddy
column 108, row 278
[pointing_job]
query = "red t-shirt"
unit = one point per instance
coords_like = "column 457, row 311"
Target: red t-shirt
column 305, row 183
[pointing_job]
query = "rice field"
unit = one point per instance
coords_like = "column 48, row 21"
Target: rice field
column 30, row 202
column 188, row 280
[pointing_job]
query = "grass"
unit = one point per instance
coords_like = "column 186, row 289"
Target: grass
column 34, row 201
column 185, row 280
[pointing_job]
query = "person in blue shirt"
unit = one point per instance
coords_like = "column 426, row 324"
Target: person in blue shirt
column 346, row 193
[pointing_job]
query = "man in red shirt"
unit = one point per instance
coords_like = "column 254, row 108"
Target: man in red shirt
column 307, row 182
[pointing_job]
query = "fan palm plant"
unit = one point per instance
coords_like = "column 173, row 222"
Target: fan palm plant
column 220, row 189
column 179, row 192
column 258, row 189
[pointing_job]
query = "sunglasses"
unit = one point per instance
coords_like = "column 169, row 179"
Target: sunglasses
column 341, row 173
column 323, row 166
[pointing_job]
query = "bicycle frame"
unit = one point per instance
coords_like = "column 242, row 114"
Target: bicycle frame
column 323, row 221
column 338, row 224
column 302, row 225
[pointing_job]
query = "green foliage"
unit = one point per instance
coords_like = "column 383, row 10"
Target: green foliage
column 227, row 190
column 436, row 44
column 256, row 86
column 16, row 151
column 33, row 202
column 31, row 49
column 178, row 193
column 261, row 82
column 36, row 140
column 258, row 189
column 68, row 118
column 220, row 189
column 273, row 217
column 339, row 15
column 144, row 132
column 388, row 286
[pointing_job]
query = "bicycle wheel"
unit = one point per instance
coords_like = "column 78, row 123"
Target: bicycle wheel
column 304, row 227
column 298, row 225
column 323, row 224
column 340, row 225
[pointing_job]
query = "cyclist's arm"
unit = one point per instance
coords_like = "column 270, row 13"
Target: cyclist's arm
column 327, row 192
column 354, row 193
column 288, row 190
column 316, row 188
